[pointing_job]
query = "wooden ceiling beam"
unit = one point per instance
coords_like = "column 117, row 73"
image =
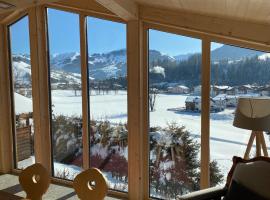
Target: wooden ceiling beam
column 20, row 8
column 125, row 9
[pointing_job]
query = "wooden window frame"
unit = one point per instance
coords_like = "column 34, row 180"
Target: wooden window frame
column 137, row 64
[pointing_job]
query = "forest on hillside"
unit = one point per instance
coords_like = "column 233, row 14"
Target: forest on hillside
column 225, row 72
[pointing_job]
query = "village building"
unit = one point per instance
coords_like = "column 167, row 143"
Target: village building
column 264, row 91
column 193, row 103
column 197, row 90
column 219, row 103
column 223, row 89
column 246, row 89
column 179, row 89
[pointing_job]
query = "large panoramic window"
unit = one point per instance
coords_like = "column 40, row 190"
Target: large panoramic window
column 22, row 93
column 174, row 114
column 107, row 65
column 235, row 72
column 66, row 96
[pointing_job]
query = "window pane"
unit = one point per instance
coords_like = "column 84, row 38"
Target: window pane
column 108, row 100
column 235, row 72
column 22, row 91
column 66, row 98
column 174, row 114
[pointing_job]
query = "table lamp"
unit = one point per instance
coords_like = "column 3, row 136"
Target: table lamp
column 253, row 113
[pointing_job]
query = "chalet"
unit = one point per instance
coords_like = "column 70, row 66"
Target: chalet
column 179, row 89
column 223, row 89
column 193, row 103
column 246, row 89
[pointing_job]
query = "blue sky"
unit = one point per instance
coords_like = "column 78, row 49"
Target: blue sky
column 19, row 37
column 103, row 36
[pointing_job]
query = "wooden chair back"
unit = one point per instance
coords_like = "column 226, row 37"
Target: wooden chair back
column 35, row 181
column 83, row 185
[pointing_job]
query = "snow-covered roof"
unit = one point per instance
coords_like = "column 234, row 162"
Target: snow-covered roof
column 183, row 87
column 22, row 104
column 248, row 86
column 223, row 87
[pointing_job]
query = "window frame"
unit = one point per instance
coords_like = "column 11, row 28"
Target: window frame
column 11, row 83
column 143, row 84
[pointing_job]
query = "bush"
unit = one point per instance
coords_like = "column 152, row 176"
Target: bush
column 175, row 169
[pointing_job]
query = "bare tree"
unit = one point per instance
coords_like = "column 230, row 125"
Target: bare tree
column 152, row 98
column 75, row 86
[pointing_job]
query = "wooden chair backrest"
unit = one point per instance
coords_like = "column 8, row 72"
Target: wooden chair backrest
column 35, row 181
column 84, row 189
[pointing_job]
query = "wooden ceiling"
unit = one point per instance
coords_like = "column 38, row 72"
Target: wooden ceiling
column 247, row 10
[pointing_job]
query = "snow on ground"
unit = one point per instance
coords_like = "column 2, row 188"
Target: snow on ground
column 26, row 163
column 73, row 171
column 112, row 106
column 226, row 140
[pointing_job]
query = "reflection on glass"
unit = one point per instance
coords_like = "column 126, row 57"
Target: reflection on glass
column 66, row 98
column 108, row 100
column 235, row 72
column 22, row 91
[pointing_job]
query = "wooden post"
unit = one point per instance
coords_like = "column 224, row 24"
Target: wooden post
column 249, row 145
column 258, row 144
column 264, row 148
column 134, row 123
column 6, row 150
column 205, row 114
column 85, row 95
column 40, row 86
column 144, row 110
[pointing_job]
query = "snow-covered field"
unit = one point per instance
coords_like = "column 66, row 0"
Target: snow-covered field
column 226, row 140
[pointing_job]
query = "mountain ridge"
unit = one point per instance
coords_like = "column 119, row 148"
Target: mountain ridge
column 113, row 64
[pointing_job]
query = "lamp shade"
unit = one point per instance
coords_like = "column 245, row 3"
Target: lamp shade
column 253, row 113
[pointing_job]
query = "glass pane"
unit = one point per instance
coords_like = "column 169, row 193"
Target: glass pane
column 66, row 98
column 235, row 72
column 22, row 91
column 174, row 114
column 108, row 100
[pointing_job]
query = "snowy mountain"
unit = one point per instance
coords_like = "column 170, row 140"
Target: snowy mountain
column 66, row 67
column 228, row 52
